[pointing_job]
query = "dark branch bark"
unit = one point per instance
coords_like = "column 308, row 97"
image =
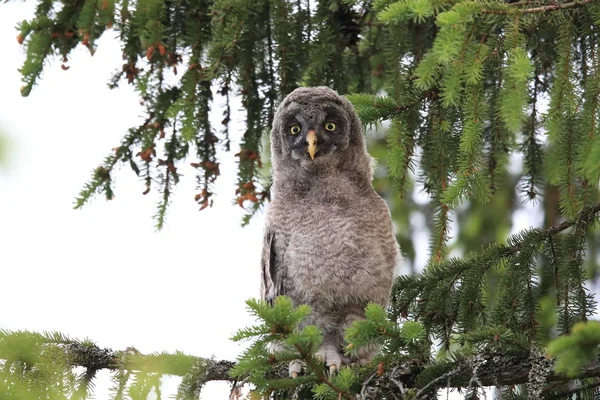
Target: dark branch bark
column 586, row 213
column 95, row 358
column 494, row 370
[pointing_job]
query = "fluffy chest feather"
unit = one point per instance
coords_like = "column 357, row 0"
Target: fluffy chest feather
column 337, row 251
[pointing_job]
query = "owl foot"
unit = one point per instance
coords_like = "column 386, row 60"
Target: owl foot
column 331, row 358
column 295, row 369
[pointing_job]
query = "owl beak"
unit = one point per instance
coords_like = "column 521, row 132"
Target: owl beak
column 311, row 140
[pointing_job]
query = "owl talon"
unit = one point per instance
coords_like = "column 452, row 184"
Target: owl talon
column 332, row 369
column 295, row 368
column 330, row 357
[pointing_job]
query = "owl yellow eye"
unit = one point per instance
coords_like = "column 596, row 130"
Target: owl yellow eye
column 295, row 129
column 330, row 126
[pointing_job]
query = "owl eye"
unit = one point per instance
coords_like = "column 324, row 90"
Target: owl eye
column 330, row 126
column 294, row 129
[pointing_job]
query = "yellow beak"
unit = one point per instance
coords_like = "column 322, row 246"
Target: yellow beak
column 311, row 139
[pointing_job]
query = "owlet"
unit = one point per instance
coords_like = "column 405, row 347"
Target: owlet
column 329, row 240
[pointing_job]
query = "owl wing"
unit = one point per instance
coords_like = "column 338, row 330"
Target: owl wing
column 272, row 272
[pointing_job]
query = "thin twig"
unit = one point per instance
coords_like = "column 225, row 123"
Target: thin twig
column 567, row 394
column 585, row 212
column 432, row 384
column 364, row 386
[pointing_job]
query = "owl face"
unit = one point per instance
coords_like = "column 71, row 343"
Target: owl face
column 315, row 130
column 312, row 131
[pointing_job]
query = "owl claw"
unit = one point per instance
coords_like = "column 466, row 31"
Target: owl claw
column 332, row 369
column 295, row 368
column 330, row 357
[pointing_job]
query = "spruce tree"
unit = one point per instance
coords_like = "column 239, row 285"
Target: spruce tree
column 479, row 106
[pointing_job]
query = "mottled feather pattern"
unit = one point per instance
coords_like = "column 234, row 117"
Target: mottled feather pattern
column 329, row 240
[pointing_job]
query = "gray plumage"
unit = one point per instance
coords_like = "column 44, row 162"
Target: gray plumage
column 329, row 241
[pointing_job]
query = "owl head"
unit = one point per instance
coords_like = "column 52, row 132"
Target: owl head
column 315, row 131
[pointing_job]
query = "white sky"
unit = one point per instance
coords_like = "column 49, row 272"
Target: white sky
column 103, row 272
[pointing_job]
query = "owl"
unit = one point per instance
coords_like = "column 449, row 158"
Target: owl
column 329, row 240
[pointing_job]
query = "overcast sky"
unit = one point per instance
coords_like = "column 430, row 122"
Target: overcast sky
column 103, row 272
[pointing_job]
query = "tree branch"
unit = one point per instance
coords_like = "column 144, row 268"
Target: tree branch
column 587, row 213
column 95, row 358
column 533, row 10
column 496, row 369
column 567, row 394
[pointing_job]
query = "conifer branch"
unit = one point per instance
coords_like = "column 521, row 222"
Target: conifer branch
column 407, row 289
column 541, row 9
column 586, row 213
column 95, row 358
column 568, row 393
column 495, row 370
